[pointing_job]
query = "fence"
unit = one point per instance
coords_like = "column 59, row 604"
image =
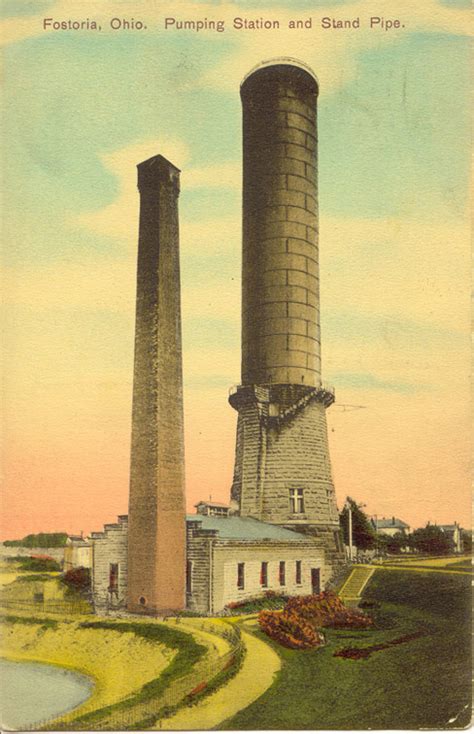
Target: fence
column 143, row 714
column 51, row 606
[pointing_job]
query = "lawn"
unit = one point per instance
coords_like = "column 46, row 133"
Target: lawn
column 424, row 682
column 464, row 565
column 450, row 563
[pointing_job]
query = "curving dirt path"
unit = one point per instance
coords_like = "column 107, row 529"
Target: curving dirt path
column 257, row 673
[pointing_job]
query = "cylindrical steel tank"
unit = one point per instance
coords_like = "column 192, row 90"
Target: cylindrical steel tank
column 280, row 279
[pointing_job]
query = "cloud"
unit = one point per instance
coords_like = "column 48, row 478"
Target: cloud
column 221, row 175
column 331, row 53
column 218, row 235
column 120, row 217
column 397, row 268
column 367, row 380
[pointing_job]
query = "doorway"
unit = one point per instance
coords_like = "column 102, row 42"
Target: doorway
column 316, row 580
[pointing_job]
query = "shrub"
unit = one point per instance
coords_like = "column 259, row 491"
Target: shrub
column 350, row 619
column 78, row 579
column 38, row 563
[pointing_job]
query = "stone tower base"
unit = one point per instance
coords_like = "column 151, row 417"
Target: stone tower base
column 328, row 537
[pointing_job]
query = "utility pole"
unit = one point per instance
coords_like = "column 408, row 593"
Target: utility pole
column 349, row 512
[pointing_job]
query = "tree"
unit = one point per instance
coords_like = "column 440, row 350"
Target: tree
column 466, row 541
column 396, row 542
column 363, row 534
column 432, row 540
column 39, row 540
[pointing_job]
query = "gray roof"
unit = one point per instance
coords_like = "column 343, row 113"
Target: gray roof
column 392, row 522
column 78, row 540
column 245, row 528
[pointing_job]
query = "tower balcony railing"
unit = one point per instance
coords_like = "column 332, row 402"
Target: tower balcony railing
column 325, row 386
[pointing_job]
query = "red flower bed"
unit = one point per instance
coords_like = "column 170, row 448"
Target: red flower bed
column 290, row 630
column 200, row 687
column 319, row 608
column 297, row 625
column 360, row 653
column 327, row 610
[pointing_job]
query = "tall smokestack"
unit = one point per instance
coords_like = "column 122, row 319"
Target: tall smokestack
column 282, row 468
column 156, row 530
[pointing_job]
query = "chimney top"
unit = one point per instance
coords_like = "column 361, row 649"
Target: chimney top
column 157, row 170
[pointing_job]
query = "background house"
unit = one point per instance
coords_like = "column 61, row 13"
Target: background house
column 390, row 526
column 77, row 553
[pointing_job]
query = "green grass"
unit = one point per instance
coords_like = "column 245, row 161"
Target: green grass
column 460, row 566
column 34, row 577
column 266, row 601
column 421, row 683
column 26, row 563
column 45, row 623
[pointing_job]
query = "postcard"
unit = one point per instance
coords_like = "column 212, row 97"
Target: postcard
column 236, row 388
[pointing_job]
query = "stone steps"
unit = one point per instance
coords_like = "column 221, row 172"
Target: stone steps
column 355, row 584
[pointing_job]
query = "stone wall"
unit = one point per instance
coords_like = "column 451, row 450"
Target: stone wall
column 198, row 554
column 272, row 458
column 109, row 546
column 227, row 554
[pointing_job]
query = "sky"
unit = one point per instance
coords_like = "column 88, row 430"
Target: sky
column 83, row 107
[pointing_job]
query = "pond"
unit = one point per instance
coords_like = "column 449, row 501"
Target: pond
column 33, row 692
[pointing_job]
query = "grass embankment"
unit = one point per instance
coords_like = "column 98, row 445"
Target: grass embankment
column 188, row 653
column 120, row 663
column 424, row 682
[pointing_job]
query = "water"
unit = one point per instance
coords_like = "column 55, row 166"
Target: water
column 33, row 692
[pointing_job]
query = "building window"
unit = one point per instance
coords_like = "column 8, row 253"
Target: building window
column 241, row 575
column 282, row 573
column 298, row 573
column 189, row 577
column 296, row 501
column 264, row 574
column 113, row 577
